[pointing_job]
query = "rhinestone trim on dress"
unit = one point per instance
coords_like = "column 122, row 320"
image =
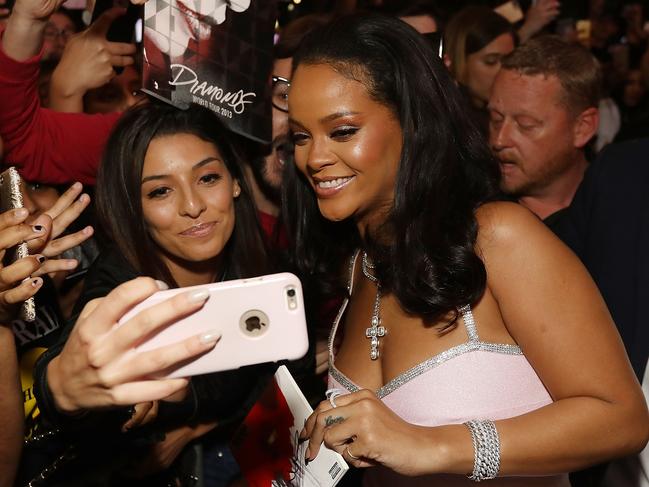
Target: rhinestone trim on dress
column 431, row 363
column 472, row 345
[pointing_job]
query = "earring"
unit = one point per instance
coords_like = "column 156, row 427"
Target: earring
column 237, row 192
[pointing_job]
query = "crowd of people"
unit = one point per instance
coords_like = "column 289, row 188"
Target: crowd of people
column 462, row 190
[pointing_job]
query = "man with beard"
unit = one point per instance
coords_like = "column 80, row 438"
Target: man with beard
column 543, row 112
column 265, row 172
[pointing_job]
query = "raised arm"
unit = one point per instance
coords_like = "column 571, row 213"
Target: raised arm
column 87, row 63
column 15, row 286
column 46, row 146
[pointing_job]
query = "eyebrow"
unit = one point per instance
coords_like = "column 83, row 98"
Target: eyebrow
column 198, row 165
column 327, row 118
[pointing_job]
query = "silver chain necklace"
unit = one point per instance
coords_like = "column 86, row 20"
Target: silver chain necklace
column 376, row 330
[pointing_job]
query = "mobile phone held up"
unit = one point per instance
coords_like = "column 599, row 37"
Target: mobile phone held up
column 260, row 319
column 11, row 197
column 127, row 28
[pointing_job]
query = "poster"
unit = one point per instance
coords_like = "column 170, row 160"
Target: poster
column 214, row 53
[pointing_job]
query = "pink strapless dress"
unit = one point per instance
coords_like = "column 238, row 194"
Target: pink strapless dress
column 473, row 380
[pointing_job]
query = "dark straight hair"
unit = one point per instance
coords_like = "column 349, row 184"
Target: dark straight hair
column 445, row 172
column 118, row 197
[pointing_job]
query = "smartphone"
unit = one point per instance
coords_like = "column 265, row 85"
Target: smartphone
column 11, row 197
column 127, row 28
column 123, row 28
column 260, row 319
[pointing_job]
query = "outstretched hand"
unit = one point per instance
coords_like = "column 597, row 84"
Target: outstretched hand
column 65, row 211
column 97, row 367
column 87, row 63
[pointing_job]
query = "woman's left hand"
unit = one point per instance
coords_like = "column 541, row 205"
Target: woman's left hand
column 367, row 433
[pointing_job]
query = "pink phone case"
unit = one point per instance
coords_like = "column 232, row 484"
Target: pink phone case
column 261, row 319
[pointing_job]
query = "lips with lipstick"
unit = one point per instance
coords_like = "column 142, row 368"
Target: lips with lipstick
column 198, row 230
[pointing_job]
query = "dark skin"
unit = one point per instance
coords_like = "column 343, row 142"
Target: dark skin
column 525, row 263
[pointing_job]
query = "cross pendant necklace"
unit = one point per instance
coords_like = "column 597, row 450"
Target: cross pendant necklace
column 376, row 330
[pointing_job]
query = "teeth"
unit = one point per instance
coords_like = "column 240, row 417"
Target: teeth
column 333, row 183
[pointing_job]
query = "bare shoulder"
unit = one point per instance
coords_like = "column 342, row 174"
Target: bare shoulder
column 503, row 224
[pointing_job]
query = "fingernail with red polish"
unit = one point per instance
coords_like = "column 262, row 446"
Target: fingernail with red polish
column 38, row 228
column 37, row 282
column 41, row 258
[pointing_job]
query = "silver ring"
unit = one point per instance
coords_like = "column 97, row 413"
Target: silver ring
column 350, row 454
column 332, row 394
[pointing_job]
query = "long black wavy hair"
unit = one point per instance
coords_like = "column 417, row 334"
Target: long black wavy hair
column 118, row 197
column 445, row 173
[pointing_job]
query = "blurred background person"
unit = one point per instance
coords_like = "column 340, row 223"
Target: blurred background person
column 475, row 40
column 633, row 102
column 543, row 113
column 58, row 30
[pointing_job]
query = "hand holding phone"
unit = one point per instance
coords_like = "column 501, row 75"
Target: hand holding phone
column 18, row 283
column 124, row 27
column 97, row 367
column 259, row 320
column 11, row 198
column 89, row 61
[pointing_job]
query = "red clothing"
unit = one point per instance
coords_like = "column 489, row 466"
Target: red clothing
column 47, row 146
column 277, row 238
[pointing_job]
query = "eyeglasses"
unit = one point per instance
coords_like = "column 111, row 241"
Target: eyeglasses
column 280, row 93
column 51, row 33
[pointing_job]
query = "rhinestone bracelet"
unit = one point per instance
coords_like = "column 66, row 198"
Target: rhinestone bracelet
column 486, row 447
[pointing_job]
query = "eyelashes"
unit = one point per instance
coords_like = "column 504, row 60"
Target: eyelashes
column 158, row 193
column 343, row 133
column 340, row 134
column 206, row 180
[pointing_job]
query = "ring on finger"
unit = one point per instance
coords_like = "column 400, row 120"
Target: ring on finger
column 332, row 394
column 350, row 454
column 331, row 420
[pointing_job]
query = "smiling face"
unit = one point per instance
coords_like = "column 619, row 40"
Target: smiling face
column 346, row 144
column 483, row 66
column 187, row 198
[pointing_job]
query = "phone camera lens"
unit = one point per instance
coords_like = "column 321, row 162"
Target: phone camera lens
column 291, row 293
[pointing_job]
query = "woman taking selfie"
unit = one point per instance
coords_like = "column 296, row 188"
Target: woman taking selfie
column 471, row 341
column 172, row 199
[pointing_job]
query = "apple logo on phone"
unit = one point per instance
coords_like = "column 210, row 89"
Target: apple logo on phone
column 254, row 323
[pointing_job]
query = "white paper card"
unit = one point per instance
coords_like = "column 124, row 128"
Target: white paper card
column 328, row 467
